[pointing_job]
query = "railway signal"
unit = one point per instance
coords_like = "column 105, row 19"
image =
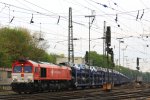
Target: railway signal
column 108, row 36
column 108, row 85
column 137, row 63
column 86, row 57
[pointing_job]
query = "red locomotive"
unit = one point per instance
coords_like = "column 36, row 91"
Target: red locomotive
column 30, row 76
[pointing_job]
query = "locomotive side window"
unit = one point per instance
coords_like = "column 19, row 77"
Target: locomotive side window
column 27, row 69
column 43, row 72
column 17, row 69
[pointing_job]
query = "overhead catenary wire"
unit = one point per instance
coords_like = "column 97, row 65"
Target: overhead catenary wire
column 44, row 14
column 84, row 23
column 78, row 23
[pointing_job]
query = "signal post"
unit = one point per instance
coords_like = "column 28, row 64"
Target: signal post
column 107, row 86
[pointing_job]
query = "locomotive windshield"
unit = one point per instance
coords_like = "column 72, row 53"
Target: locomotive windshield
column 17, row 69
column 27, row 69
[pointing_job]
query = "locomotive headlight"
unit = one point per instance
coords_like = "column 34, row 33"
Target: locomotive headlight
column 15, row 80
column 29, row 80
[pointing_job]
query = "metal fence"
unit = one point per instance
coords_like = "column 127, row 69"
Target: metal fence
column 5, row 87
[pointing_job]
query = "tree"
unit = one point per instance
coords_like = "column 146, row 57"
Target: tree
column 99, row 60
column 18, row 42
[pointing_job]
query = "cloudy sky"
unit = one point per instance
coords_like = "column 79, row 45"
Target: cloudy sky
column 129, row 19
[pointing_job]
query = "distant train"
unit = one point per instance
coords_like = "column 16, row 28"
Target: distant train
column 30, row 76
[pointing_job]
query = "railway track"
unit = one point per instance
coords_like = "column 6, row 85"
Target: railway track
column 132, row 95
column 87, row 94
column 62, row 95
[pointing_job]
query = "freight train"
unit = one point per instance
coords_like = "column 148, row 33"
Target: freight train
column 29, row 76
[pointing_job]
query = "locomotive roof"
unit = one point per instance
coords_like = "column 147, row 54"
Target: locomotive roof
column 46, row 64
column 40, row 62
column 33, row 62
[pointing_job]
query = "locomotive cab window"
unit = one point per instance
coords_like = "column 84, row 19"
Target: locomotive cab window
column 17, row 69
column 27, row 69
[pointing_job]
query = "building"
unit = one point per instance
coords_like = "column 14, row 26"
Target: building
column 77, row 60
column 5, row 75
